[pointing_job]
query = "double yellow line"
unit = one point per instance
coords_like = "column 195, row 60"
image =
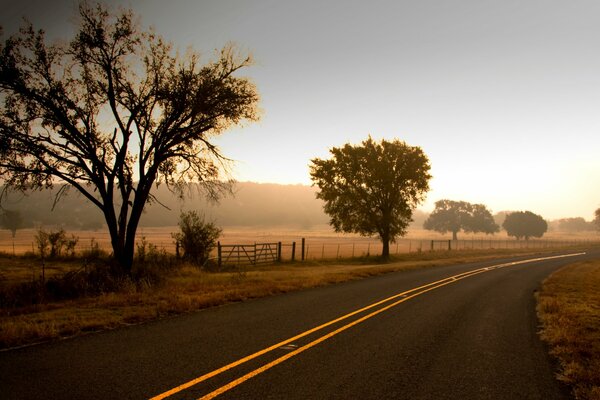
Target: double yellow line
column 399, row 298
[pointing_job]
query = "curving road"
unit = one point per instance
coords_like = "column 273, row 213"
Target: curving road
column 458, row 332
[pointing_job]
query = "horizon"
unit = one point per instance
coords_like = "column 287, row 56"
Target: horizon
column 188, row 200
column 502, row 97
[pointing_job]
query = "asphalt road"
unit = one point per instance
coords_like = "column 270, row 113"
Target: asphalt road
column 469, row 336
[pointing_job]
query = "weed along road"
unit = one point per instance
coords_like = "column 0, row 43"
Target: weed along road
column 458, row 332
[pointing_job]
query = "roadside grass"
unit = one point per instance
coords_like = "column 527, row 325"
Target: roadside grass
column 569, row 309
column 186, row 288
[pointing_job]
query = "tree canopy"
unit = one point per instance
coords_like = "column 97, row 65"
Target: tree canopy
column 454, row 216
column 372, row 188
column 115, row 112
column 525, row 224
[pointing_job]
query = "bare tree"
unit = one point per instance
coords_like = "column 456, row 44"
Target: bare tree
column 115, row 112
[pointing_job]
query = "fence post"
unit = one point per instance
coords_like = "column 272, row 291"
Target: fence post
column 431, row 246
column 293, row 251
column 279, row 251
column 338, row 252
column 369, row 249
column 303, row 247
column 219, row 253
column 449, row 245
column 323, row 251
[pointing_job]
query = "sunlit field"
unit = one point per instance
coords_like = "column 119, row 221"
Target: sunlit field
column 321, row 241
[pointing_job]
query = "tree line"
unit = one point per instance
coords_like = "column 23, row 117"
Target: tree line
column 455, row 216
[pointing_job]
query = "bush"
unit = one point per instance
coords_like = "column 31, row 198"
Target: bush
column 51, row 244
column 94, row 252
column 95, row 278
column 151, row 263
column 91, row 281
column 196, row 238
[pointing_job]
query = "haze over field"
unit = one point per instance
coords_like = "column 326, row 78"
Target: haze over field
column 502, row 96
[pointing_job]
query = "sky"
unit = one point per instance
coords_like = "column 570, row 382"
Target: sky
column 503, row 96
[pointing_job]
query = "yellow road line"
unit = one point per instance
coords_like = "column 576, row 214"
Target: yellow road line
column 287, row 341
column 421, row 289
column 265, row 367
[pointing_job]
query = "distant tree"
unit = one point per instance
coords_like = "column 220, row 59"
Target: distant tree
column 575, row 225
column 499, row 217
column 454, row 216
column 11, row 220
column 196, row 237
column 525, row 224
column 448, row 216
column 482, row 220
column 113, row 114
column 597, row 218
column 372, row 188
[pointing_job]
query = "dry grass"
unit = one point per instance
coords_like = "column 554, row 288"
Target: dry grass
column 315, row 239
column 569, row 308
column 186, row 289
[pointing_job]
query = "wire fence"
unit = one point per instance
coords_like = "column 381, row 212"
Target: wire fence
column 321, row 249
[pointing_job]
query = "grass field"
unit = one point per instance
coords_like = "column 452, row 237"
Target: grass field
column 321, row 241
column 569, row 309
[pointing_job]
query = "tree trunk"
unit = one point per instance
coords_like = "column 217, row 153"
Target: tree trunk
column 117, row 240
column 385, row 253
column 454, row 235
column 385, row 240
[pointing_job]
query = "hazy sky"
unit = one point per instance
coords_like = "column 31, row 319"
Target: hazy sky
column 503, row 96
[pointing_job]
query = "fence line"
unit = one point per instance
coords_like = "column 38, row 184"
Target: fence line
column 315, row 249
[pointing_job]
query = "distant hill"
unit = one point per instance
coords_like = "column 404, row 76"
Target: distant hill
column 253, row 204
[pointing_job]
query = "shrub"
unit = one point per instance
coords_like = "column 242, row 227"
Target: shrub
column 42, row 242
column 150, row 261
column 196, row 238
column 94, row 252
column 51, row 244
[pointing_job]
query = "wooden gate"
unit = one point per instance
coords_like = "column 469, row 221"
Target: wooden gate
column 248, row 254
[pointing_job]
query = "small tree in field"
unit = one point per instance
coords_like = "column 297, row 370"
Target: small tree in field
column 454, row 216
column 11, row 220
column 372, row 188
column 197, row 238
column 114, row 113
column 597, row 218
column 448, row 216
column 525, row 224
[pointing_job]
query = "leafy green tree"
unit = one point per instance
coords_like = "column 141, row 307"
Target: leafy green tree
column 525, row 224
column 197, row 237
column 454, row 216
column 11, row 220
column 114, row 113
column 372, row 188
